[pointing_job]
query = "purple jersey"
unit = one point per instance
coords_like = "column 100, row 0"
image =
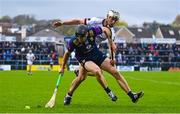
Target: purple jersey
column 88, row 48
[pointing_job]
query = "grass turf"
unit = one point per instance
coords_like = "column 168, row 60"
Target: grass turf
column 17, row 90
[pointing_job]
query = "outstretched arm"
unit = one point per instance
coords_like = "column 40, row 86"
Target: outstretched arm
column 68, row 22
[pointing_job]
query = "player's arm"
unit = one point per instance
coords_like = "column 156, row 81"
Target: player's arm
column 70, row 48
column 68, row 22
column 108, row 34
column 65, row 58
column 111, row 44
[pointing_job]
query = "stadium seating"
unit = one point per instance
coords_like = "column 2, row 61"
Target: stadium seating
column 136, row 54
column 14, row 53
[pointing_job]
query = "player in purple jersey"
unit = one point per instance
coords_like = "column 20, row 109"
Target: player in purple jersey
column 92, row 60
column 85, row 48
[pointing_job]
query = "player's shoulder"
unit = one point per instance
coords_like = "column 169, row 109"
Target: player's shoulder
column 94, row 21
column 97, row 19
column 94, row 31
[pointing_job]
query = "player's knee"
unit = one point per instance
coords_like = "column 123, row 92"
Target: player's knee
column 97, row 72
column 81, row 78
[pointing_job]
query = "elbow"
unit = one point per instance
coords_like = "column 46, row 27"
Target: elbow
column 78, row 22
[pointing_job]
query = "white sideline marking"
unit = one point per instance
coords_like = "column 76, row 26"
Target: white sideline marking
column 154, row 81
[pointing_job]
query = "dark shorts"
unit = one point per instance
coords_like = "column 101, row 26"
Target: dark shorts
column 97, row 58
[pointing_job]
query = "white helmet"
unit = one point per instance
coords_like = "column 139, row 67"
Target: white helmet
column 113, row 14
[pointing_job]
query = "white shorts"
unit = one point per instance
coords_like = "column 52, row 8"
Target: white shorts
column 29, row 62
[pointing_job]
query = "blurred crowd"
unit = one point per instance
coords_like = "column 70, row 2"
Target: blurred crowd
column 18, row 50
column 132, row 54
column 126, row 54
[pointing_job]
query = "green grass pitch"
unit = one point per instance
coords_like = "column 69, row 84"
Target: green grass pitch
column 17, row 90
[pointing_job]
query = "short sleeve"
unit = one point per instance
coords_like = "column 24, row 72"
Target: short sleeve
column 93, row 21
column 96, row 30
column 70, row 45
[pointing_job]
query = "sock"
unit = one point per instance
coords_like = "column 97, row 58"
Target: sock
column 107, row 90
column 131, row 95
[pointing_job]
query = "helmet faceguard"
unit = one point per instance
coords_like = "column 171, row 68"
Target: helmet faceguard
column 114, row 14
column 81, row 31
